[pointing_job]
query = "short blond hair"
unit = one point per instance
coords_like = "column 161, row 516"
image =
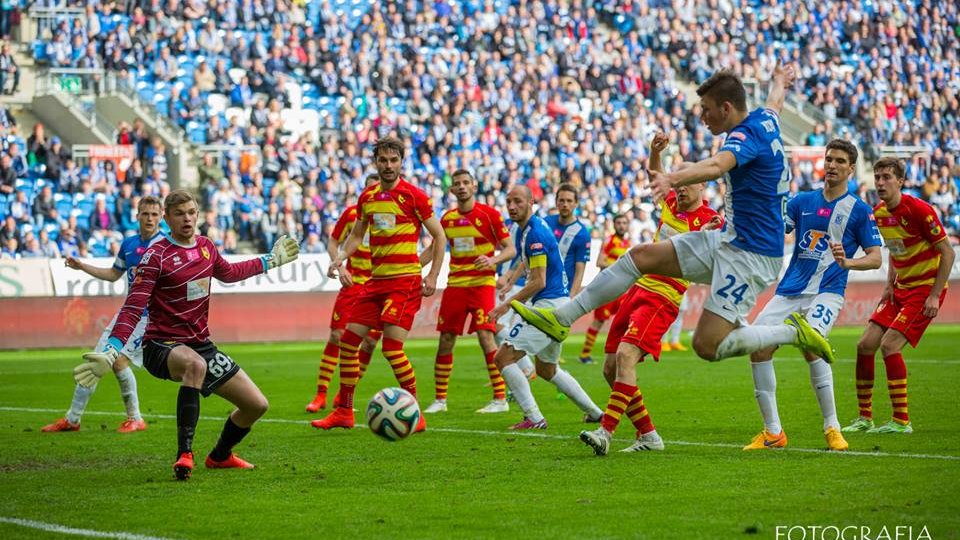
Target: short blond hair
column 178, row 197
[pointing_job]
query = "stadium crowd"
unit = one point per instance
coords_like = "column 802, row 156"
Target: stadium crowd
column 519, row 92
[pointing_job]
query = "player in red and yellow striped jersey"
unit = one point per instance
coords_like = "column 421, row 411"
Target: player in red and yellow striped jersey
column 920, row 262
column 646, row 312
column 394, row 212
column 616, row 245
column 474, row 232
column 357, row 273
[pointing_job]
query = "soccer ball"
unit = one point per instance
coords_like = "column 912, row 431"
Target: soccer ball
column 393, row 414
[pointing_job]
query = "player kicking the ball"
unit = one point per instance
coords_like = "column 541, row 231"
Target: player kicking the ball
column 474, row 230
column 131, row 250
column 831, row 225
column 739, row 261
column 173, row 280
column 394, row 211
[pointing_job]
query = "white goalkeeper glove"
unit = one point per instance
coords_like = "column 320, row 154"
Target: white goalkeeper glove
column 97, row 364
column 284, row 251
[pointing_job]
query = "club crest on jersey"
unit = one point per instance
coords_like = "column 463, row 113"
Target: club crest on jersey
column 478, row 222
column 934, row 227
column 205, row 252
column 813, row 244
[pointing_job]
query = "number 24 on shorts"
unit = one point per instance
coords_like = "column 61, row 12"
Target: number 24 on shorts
column 736, row 293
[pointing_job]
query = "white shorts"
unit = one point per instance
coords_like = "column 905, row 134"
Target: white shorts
column 134, row 347
column 524, row 337
column 821, row 310
column 736, row 277
column 509, row 319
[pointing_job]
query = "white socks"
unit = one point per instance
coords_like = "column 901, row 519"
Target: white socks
column 128, row 391
column 526, row 365
column 609, row 284
column 747, row 339
column 520, row 387
column 81, row 396
column 569, row 386
column 765, row 389
column 821, row 378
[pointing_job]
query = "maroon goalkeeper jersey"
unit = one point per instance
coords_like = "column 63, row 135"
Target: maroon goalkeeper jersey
column 173, row 282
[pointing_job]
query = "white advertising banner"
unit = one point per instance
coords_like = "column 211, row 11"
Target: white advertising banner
column 24, row 277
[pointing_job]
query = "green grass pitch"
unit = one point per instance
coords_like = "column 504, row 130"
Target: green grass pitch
column 467, row 476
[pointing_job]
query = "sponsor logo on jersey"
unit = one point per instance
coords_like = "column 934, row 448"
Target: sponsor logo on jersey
column 738, row 135
column 824, row 212
column 814, row 244
column 536, row 245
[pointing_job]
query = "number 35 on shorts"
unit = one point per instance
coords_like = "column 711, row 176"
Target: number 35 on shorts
column 733, row 289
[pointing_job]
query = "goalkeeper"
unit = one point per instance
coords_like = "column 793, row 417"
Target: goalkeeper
column 173, row 282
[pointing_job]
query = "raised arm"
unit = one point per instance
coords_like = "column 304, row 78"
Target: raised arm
column 783, row 78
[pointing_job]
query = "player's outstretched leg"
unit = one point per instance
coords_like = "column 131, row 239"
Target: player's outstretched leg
column 612, row 282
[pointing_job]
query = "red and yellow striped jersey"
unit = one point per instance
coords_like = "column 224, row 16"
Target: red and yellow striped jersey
column 359, row 263
column 672, row 223
column 470, row 235
column 910, row 231
column 394, row 220
column 614, row 247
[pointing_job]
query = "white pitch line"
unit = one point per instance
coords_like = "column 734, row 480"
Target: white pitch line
column 63, row 529
column 528, row 434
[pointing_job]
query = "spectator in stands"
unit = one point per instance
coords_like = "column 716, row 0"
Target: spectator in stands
column 56, row 155
column 18, row 161
column 37, row 145
column 10, row 249
column 20, row 208
column 8, row 176
column 270, row 224
column 31, row 248
column 47, row 246
column 313, row 244
column 9, row 230
column 9, row 70
column 204, row 78
column 68, row 243
column 223, row 201
column 101, row 219
column 44, row 207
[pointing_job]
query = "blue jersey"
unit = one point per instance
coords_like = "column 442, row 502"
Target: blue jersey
column 537, row 248
column 757, row 185
column 817, row 222
column 573, row 241
column 131, row 250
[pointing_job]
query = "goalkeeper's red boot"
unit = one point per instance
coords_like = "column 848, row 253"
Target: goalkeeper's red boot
column 60, row 425
column 421, row 425
column 184, row 466
column 319, row 402
column 341, row 417
column 232, row 462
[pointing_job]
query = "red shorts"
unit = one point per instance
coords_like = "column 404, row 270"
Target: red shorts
column 386, row 301
column 905, row 313
column 346, row 298
column 642, row 320
column 458, row 302
column 603, row 313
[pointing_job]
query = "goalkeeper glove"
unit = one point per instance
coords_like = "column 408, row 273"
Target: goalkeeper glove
column 284, row 251
column 98, row 364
